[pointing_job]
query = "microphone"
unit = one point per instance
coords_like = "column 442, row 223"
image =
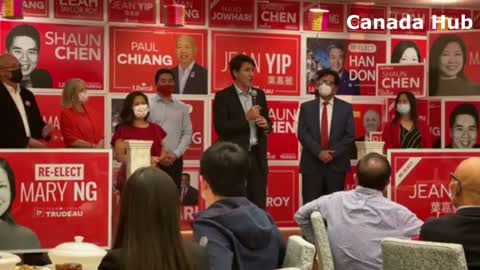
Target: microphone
column 253, row 93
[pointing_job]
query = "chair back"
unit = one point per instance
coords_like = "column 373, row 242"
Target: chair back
column 300, row 253
column 324, row 253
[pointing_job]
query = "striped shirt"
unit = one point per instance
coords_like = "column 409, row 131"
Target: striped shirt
column 410, row 138
column 357, row 221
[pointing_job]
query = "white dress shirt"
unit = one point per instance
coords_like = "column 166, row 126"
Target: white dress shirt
column 183, row 76
column 15, row 93
column 329, row 114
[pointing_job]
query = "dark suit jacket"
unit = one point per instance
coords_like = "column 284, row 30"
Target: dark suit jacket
column 196, row 254
column 191, row 198
column 461, row 228
column 196, row 83
column 13, row 134
column 41, row 78
column 231, row 124
column 342, row 134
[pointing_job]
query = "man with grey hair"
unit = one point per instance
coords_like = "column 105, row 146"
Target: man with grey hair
column 190, row 77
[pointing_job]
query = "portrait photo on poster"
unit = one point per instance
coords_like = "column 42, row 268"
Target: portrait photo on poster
column 461, row 124
column 189, row 189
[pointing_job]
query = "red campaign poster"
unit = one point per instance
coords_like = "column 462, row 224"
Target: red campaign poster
column 368, row 118
column 51, row 106
column 231, row 13
column 282, row 142
column 435, row 121
column 336, row 18
column 278, row 14
column 192, row 202
column 408, row 51
column 369, row 12
column 420, row 179
column 136, row 53
column 194, row 10
column 422, row 109
column 276, row 57
column 197, row 109
column 454, row 63
column 403, row 12
column 139, row 11
column 283, row 194
column 449, row 14
column 349, row 177
column 354, row 60
column 78, row 9
column 36, row 8
column 395, row 78
column 64, row 192
column 461, row 124
column 476, row 19
column 67, row 51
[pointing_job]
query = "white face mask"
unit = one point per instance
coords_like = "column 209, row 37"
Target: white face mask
column 403, row 108
column 141, row 110
column 324, row 90
column 82, row 97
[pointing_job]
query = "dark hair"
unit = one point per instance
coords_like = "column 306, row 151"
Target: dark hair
column 464, row 108
column 126, row 114
column 326, row 72
column 7, row 216
column 237, row 62
column 224, row 166
column 335, row 46
column 149, row 223
column 413, row 107
column 163, row 71
column 23, row 30
column 373, row 171
column 187, row 175
column 400, row 49
column 434, row 59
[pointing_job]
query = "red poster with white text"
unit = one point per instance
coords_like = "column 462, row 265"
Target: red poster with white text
column 191, row 201
column 276, row 56
column 36, row 8
column 349, row 177
column 282, row 142
column 194, row 10
column 67, row 51
column 435, row 121
column 61, row 194
column 231, row 13
column 136, row 53
column 403, row 12
column 283, row 194
column 196, row 110
column 78, row 9
column 449, row 14
column 336, row 18
column 407, row 51
column 476, row 19
column 395, row 78
column 278, row 14
column 139, row 11
column 368, row 12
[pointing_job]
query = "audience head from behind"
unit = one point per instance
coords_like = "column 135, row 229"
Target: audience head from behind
column 224, row 168
column 465, row 183
column 373, row 171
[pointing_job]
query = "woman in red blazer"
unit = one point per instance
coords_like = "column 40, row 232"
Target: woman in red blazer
column 406, row 130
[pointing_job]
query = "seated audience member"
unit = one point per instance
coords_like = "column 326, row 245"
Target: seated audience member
column 76, row 123
column 463, row 227
column 359, row 219
column 188, row 194
column 238, row 235
column 135, row 126
column 148, row 235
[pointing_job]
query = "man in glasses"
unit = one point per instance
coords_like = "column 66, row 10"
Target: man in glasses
column 463, row 227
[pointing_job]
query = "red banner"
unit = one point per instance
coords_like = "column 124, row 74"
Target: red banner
column 336, row 18
column 403, row 12
column 139, row 11
column 144, row 50
column 188, row 212
column 64, row 192
column 283, row 194
column 197, row 115
column 67, row 51
column 276, row 58
column 349, row 177
column 282, row 142
column 408, row 51
column 194, row 10
column 462, row 132
column 435, row 121
column 278, row 14
column 36, row 8
column 476, row 19
column 78, row 9
column 368, row 12
column 395, row 78
column 231, row 13
column 449, row 14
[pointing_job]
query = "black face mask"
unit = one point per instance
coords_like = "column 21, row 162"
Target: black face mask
column 17, row 75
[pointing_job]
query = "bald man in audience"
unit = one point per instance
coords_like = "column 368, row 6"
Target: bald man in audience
column 358, row 220
column 463, row 227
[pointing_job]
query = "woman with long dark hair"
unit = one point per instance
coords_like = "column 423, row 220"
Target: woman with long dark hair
column 148, row 235
column 406, row 52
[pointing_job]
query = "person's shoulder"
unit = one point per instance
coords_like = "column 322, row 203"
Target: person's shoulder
column 197, row 254
column 225, row 91
column 310, row 103
column 198, row 67
column 342, row 102
column 437, row 224
column 27, row 236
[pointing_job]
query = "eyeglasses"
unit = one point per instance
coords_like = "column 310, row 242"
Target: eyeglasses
column 458, row 181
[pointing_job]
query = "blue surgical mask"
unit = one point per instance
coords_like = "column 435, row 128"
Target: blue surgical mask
column 403, row 108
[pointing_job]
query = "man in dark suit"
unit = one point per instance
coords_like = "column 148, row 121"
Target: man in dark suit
column 240, row 115
column 188, row 194
column 190, row 77
column 22, row 122
column 326, row 131
column 462, row 227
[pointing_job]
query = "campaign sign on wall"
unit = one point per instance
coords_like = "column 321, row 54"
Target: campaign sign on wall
column 78, row 9
column 231, row 13
column 196, row 110
column 354, row 60
column 139, row 11
column 350, row 177
column 367, row 117
column 283, row 194
column 410, row 14
column 194, row 10
column 461, row 124
column 282, row 142
column 450, row 14
column 278, row 14
column 420, row 179
column 276, row 57
column 476, row 19
column 190, row 200
column 36, row 8
column 395, row 78
column 61, row 194
column 67, row 51
column 435, row 121
column 408, row 51
column 136, row 53
column 335, row 15
column 368, row 12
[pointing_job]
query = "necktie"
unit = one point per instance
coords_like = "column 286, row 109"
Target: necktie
column 182, row 196
column 324, row 128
